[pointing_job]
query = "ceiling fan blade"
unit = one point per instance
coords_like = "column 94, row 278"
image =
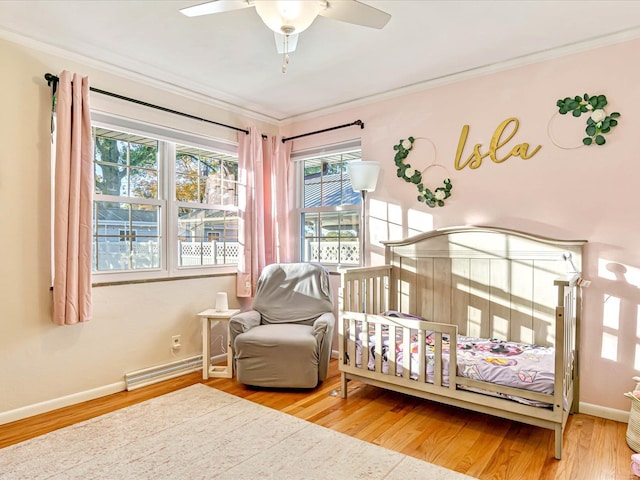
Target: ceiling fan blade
column 352, row 11
column 293, row 42
column 216, row 6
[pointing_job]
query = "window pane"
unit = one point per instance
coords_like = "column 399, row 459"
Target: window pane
column 312, row 183
column 329, row 224
column 331, row 237
column 186, row 162
column 230, row 183
column 109, row 150
column 143, row 183
column 311, row 225
column 125, row 164
column 187, row 188
column 144, row 236
column 349, row 237
column 126, row 236
column 326, row 182
column 332, row 189
column 144, row 155
column 207, row 237
column 108, row 179
column 207, row 177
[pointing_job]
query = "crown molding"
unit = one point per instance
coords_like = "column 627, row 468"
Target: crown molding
column 544, row 55
column 154, row 77
column 179, row 86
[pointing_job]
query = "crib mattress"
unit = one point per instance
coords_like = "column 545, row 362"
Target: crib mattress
column 511, row 364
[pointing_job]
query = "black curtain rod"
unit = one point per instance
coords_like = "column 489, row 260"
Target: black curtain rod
column 52, row 81
column 357, row 122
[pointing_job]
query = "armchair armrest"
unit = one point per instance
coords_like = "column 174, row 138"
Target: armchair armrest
column 242, row 322
column 323, row 331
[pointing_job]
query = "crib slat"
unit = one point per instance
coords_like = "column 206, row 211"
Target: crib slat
column 375, row 308
column 366, row 345
column 406, row 357
column 453, row 358
column 422, row 365
column 351, row 341
column 379, row 347
column 437, row 358
column 391, row 353
column 384, row 298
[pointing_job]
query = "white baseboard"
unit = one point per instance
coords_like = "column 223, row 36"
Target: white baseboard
column 604, row 412
column 55, row 403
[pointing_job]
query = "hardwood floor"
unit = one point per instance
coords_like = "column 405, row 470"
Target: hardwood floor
column 479, row 445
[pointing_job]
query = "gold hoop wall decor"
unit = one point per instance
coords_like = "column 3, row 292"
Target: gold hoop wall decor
column 409, row 174
column 554, row 138
column 598, row 123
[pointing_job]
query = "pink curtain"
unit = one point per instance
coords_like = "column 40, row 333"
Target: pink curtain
column 277, row 202
column 72, row 202
column 251, row 258
column 263, row 225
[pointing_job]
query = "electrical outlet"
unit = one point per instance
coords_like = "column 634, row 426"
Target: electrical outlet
column 175, row 342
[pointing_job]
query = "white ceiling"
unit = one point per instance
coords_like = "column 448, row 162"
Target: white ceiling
column 231, row 57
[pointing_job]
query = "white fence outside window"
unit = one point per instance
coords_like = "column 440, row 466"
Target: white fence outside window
column 208, row 253
column 115, row 255
column 345, row 252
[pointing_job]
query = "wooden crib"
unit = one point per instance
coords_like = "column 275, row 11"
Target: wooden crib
column 469, row 281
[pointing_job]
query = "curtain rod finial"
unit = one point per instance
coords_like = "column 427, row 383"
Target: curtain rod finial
column 50, row 78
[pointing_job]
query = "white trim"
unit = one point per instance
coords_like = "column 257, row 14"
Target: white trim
column 60, row 402
column 334, row 354
column 603, row 41
column 56, row 403
column 326, row 150
column 230, row 104
column 604, row 412
column 161, row 132
column 171, row 84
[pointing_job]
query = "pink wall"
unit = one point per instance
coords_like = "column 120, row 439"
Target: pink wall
column 585, row 193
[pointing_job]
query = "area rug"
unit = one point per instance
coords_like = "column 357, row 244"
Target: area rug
column 202, row 433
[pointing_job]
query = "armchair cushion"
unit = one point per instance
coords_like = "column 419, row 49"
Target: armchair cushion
column 264, row 356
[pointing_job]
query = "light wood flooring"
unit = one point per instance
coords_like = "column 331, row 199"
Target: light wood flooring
column 475, row 444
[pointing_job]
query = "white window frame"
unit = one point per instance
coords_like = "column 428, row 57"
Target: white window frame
column 168, row 225
column 298, row 157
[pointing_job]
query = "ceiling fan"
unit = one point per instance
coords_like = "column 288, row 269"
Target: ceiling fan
column 288, row 18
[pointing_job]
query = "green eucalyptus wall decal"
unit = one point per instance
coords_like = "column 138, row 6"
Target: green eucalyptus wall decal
column 598, row 122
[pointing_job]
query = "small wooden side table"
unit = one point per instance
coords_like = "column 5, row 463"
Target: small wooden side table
column 208, row 370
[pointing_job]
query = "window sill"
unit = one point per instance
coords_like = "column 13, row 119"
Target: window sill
column 162, row 279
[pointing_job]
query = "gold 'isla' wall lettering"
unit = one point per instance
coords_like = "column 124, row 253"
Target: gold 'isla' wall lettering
column 475, row 159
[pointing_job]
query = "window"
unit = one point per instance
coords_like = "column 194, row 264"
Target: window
column 163, row 206
column 330, row 209
column 126, row 199
column 207, row 199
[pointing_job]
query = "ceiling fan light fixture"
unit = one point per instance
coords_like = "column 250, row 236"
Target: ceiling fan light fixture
column 288, row 16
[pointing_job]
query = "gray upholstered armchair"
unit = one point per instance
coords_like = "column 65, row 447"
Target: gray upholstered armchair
column 285, row 341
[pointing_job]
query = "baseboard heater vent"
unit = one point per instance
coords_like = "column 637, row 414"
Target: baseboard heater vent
column 148, row 376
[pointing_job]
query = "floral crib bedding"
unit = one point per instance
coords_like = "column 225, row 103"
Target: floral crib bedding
column 511, row 364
